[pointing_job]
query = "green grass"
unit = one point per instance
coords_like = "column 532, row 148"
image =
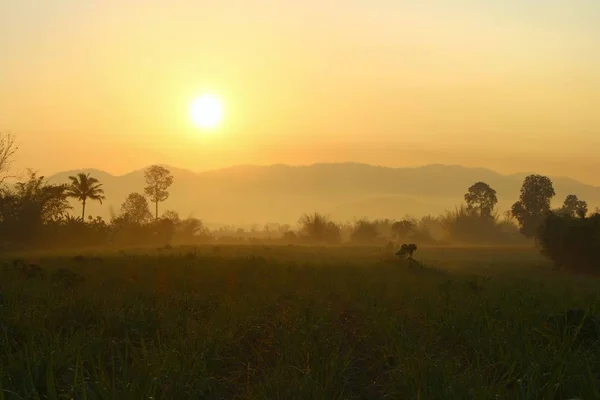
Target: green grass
column 295, row 323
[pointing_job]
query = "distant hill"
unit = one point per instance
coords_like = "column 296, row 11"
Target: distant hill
column 249, row 194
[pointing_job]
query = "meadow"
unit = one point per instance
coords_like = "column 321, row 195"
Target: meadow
column 294, row 322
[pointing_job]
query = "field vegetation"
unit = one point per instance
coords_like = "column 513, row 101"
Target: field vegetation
column 296, row 322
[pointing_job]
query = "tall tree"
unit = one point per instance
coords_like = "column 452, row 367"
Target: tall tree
column 481, row 197
column 135, row 209
column 158, row 180
column 573, row 206
column 533, row 204
column 8, row 149
column 84, row 187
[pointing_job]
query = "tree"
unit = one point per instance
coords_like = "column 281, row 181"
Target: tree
column 572, row 206
column 482, row 198
column 159, row 180
column 533, row 204
column 8, row 149
column 45, row 201
column 84, row 187
column 135, row 209
column 29, row 205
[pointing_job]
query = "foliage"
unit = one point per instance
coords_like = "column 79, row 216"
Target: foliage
column 404, row 229
column 318, row 228
column 364, row 231
column 25, row 208
column 465, row 225
column 163, row 232
column 71, row 232
column 135, row 210
column 481, row 198
column 84, row 187
column 534, row 203
column 190, row 230
column 158, row 181
column 572, row 243
column 572, row 206
column 172, row 216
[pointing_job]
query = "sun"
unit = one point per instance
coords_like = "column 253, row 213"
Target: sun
column 207, row 111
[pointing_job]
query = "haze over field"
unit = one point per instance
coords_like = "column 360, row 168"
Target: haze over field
column 508, row 85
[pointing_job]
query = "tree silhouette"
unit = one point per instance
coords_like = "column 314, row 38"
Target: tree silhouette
column 84, row 187
column 8, row 148
column 533, row 204
column 481, row 197
column 135, row 209
column 30, row 204
column 572, row 206
column 159, row 180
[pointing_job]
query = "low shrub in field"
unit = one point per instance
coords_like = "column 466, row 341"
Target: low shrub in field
column 407, row 251
column 572, row 243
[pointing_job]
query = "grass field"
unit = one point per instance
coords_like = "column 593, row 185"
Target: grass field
column 293, row 322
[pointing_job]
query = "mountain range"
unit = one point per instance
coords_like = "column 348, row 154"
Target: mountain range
column 249, row 194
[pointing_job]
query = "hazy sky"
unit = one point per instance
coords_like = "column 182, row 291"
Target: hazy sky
column 512, row 85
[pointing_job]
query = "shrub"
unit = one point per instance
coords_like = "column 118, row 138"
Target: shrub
column 407, row 251
column 318, row 228
column 365, row 232
column 571, row 243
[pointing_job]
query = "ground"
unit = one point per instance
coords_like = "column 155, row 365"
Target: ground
column 293, row 322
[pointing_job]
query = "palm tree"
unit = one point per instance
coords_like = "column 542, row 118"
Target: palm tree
column 84, row 187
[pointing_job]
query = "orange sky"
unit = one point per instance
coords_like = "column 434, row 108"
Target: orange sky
column 513, row 86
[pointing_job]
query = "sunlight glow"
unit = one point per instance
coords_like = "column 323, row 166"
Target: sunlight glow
column 207, row 111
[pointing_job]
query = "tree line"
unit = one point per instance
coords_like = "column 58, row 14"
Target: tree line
column 34, row 212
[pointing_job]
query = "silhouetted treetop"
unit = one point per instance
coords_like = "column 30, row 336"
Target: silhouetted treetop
column 572, row 206
column 158, row 181
column 84, row 187
column 534, row 203
column 135, row 209
column 8, row 149
column 481, row 198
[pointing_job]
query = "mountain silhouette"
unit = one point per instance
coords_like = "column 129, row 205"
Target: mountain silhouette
column 248, row 194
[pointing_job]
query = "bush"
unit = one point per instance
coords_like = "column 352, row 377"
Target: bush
column 467, row 227
column 365, row 232
column 318, row 228
column 571, row 243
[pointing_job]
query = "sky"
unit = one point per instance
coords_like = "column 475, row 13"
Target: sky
column 509, row 85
